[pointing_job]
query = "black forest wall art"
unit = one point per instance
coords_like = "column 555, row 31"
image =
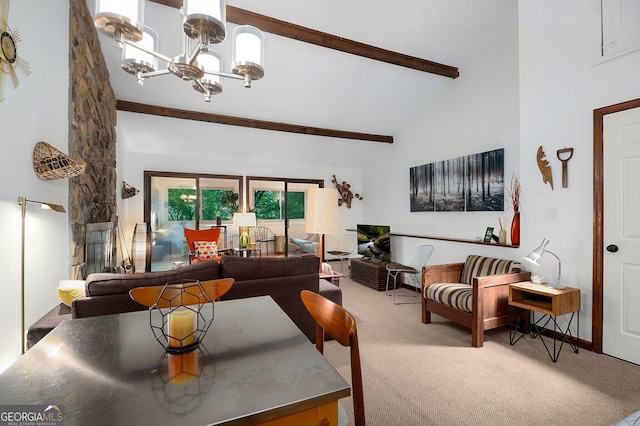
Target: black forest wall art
column 471, row 183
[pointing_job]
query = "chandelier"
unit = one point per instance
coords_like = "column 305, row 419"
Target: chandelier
column 204, row 23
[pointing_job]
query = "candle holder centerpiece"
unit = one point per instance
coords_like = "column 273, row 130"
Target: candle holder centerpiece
column 181, row 312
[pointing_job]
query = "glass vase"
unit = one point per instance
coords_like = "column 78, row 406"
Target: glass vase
column 515, row 230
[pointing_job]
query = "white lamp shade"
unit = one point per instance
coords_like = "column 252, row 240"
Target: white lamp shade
column 535, row 256
column 244, row 219
column 248, row 46
column 321, row 213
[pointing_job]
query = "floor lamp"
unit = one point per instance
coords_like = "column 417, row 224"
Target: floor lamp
column 321, row 215
column 22, row 201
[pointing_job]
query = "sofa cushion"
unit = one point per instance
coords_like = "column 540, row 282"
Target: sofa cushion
column 480, row 266
column 330, row 291
column 458, row 296
column 107, row 284
column 252, row 268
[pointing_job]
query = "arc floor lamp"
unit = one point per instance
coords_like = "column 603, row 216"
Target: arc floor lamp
column 22, row 201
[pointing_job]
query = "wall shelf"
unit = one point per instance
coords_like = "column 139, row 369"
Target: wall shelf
column 455, row 240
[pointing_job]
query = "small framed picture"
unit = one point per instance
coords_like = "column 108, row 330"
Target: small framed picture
column 488, row 234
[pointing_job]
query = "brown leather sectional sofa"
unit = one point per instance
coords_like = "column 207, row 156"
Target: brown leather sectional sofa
column 281, row 278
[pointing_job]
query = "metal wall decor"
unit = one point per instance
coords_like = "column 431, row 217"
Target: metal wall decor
column 564, row 155
column 9, row 59
column 346, row 195
column 471, row 183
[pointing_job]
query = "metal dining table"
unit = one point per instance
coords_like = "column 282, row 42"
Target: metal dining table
column 253, row 366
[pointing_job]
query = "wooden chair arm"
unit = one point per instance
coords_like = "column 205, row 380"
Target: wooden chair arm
column 448, row 273
column 501, row 279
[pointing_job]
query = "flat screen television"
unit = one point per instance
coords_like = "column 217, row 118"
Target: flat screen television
column 374, row 242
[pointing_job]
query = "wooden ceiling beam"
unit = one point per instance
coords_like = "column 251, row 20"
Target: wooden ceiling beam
column 318, row 38
column 247, row 122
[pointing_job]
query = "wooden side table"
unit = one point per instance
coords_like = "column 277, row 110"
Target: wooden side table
column 552, row 303
column 332, row 278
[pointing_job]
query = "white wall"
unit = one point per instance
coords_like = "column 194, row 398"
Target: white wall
column 477, row 112
column 561, row 84
column 36, row 111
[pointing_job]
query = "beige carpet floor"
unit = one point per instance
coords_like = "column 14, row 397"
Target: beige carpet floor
column 419, row 374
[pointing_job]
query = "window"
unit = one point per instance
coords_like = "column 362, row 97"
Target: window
column 620, row 30
column 270, row 204
column 280, row 202
column 174, row 201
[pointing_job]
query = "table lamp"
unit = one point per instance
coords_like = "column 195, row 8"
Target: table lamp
column 321, row 215
column 244, row 221
column 535, row 257
column 22, row 202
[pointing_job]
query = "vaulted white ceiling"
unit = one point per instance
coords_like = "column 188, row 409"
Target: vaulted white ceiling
column 310, row 85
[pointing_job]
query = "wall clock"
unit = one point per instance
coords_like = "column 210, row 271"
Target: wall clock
column 9, row 59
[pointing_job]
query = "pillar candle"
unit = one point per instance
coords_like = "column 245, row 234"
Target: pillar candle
column 182, row 327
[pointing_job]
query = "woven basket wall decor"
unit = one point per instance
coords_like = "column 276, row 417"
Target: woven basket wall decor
column 51, row 164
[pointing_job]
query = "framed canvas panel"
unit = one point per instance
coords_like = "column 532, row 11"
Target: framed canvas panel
column 485, row 181
column 421, row 185
column 470, row 183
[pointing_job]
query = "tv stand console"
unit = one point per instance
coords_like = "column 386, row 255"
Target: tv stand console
column 369, row 273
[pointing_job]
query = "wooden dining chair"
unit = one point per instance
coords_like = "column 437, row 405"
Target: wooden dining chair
column 339, row 324
column 148, row 296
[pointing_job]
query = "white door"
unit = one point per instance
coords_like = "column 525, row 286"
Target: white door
column 621, row 308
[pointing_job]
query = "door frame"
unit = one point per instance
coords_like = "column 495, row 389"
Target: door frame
column 598, row 217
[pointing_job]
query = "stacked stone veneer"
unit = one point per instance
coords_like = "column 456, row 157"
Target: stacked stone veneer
column 92, row 135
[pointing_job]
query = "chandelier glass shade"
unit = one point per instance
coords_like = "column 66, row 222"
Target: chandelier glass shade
column 204, row 23
column 120, row 19
column 136, row 57
column 248, row 53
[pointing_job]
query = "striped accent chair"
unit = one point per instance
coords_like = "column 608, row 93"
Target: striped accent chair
column 473, row 294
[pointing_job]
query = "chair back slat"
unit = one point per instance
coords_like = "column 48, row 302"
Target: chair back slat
column 421, row 257
column 339, row 324
column 148, row 296
column 347, row 243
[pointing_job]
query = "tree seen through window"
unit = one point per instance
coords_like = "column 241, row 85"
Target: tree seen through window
column 214, row 203
column 270, row 205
